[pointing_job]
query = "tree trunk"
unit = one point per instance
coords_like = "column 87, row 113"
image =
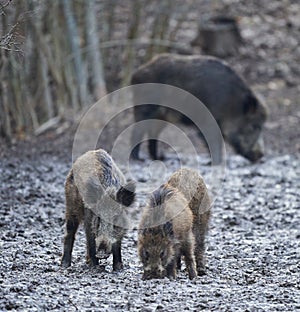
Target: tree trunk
column 94, row 52
column 76, row 53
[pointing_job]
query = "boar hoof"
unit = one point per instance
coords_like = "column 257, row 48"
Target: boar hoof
column 65, row 262
column 118, row 266
column 171, row 272
column 172, row 277
column 92, row 262
column 201, row 268
column 135, row 153
column 161, row 157
column 201, row 272
column 192, row 274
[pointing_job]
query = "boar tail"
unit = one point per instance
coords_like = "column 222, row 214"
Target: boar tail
column 126, row 194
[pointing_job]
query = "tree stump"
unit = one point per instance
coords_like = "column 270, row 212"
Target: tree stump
column 219, row 36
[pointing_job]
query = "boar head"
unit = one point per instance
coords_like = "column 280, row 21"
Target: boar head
column 157, row 249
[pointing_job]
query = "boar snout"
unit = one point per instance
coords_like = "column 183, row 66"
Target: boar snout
column 154, row 273
column 249, row 146
column 257, row 151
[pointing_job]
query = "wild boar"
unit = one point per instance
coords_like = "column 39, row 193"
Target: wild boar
column 97, row 192
column 190, row 183
column 165, row 234
column 237, row 110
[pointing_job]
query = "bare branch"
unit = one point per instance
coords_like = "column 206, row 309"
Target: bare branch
column 3, row 6
column 7, row 41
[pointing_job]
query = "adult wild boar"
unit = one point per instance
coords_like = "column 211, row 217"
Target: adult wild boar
column 237, row 110
column 97, row 192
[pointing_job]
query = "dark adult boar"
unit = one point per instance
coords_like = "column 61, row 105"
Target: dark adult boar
column 96, row 192
column 192, row 186
column 166, row 233
column 238, row 112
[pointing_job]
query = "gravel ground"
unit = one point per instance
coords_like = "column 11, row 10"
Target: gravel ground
column 253, row 245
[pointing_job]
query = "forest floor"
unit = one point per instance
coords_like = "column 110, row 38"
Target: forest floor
column 253, row 244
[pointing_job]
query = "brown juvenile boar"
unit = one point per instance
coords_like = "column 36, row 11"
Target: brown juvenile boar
column 166, row 232
column 237, row 110
column 192, row 186
column 96, row 192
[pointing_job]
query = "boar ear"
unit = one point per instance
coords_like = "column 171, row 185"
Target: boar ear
column 168, row 229
column 250, row 104
column 126, row 194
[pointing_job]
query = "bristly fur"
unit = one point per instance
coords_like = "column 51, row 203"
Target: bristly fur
column 192, row 186
column 238, row 111
column 158, row 197
column 175, row 219
column 166, row 232
column 96, row 192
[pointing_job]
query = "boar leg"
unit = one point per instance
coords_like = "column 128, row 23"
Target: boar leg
column 71, row 228
column 156, row 128
column 171, row 269
column 199, row 233
column 188, row 253
column 199, row 255
column 117, row 258
column 135, row 152
column 90, row 240
column 136, row 139
column 215, row 149
column 91, row 248
column 179, row 263
column 152, row 146
column 74, row 215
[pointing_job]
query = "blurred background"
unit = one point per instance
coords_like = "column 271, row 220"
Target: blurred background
column 58, row 57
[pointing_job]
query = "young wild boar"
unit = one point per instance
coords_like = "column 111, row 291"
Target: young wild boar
column 96, row 192
column 238, row 112
column 192, row 186
column 174, row 224
column 166, row 233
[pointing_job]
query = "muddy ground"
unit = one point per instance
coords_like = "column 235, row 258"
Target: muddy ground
column 253, row 245
column 252, row 248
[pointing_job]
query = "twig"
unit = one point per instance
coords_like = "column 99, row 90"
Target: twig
column 3, row 6
column 6, row 41
column 73, row 304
